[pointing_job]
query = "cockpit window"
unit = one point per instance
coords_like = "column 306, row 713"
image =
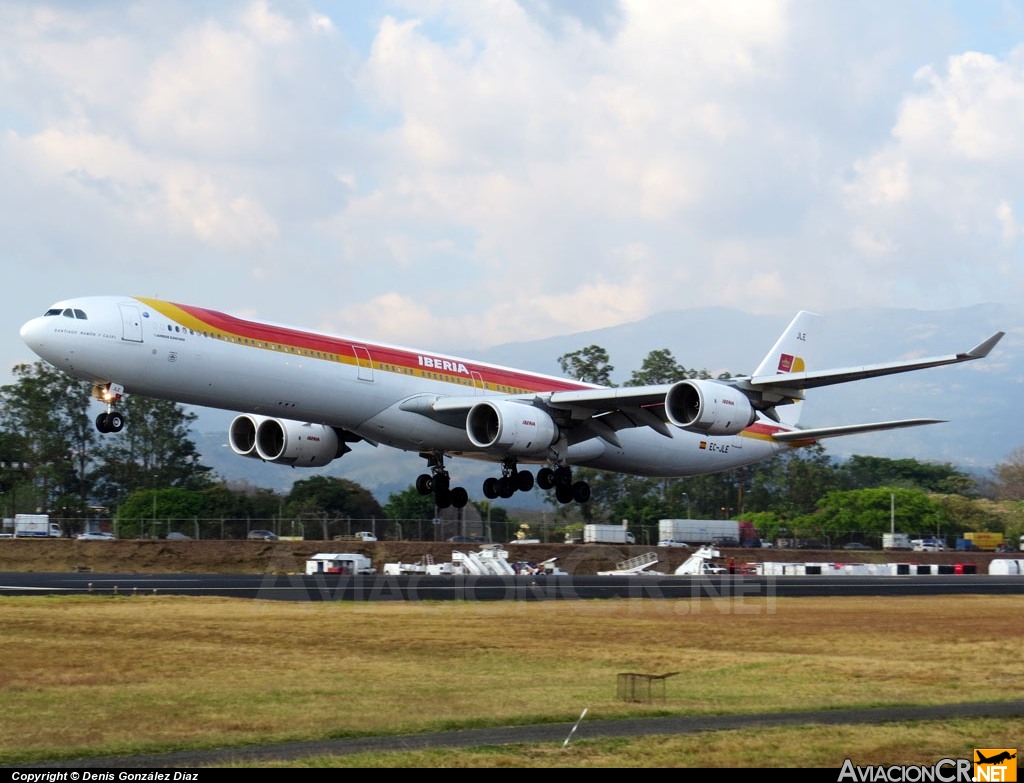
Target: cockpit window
column 67, row 312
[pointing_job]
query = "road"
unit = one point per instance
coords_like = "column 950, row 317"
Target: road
column 328, row 587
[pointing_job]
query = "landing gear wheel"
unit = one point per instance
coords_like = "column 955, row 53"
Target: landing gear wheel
column 424, row 484
column 545, row 478
column 442, row 497
column 524, row 481
column 563, row 476
column 101, row 423
column 491, row 490
column 581, row 492
column 506, row 486
column 563, row 493
column 459, row 497
column 115, row 422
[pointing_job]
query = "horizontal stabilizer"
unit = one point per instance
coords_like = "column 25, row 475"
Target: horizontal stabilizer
column 850, row 429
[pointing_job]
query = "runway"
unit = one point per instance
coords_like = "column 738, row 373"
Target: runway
column 327, row 587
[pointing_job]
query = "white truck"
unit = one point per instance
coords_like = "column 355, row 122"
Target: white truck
column 675, row 532
column 607, row 534
column 344, row 564
column 34, row 526
column 363, row 536
column 895, row 541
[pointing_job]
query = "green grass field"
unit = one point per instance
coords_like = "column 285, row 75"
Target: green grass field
column 86, row 676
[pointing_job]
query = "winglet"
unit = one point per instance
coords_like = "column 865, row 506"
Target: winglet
column 981, row 350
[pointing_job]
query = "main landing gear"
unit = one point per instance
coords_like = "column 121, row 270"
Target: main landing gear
column 439, row 482
column 558, row 478
column 566, row 490
column 512, row 480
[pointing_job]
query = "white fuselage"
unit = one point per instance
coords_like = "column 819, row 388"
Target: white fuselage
column 376, row 391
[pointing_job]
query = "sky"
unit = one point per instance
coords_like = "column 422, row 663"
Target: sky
column 458, row 175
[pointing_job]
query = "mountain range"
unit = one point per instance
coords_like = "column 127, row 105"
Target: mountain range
column 978, row 399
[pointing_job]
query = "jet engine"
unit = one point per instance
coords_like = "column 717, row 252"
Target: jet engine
column 708, row 407
column 285, row 442
column 510, row 428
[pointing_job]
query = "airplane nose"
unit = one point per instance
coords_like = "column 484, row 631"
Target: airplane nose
column 33, row 333
column 28, row 331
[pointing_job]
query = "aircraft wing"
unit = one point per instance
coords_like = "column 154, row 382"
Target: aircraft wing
column 811, row 380
column 587, row 412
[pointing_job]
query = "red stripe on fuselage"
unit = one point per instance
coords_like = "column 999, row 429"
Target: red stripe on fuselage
column 495, row 378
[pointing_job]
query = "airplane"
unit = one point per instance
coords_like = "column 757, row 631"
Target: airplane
column 996, row 759
column 303, row 396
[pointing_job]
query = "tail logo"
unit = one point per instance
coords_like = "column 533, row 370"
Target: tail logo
column 789, row 363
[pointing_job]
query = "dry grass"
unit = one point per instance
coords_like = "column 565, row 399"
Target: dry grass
column 108, row 675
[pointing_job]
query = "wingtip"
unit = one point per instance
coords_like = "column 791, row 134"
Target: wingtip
column 981, row 350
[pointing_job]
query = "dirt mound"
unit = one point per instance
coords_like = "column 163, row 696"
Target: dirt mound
column 261, row 557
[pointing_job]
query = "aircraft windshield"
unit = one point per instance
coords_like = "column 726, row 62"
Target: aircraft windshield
column 67, row 312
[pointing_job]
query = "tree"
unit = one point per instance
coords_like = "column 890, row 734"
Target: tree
column 334, row 497
column 1010, row 476
column 409, row 504
column 864, row 472
column 49, row 410
column 659, row 366
column 871, row 511
column 792, row 483
column 588, row 364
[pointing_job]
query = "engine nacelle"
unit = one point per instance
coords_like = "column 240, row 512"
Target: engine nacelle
column 708, row 407
column 510, row 428
column 284, row 442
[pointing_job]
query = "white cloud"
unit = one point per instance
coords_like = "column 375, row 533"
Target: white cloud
column 475, row 173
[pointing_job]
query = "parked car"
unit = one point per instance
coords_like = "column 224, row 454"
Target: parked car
column 96, row 537
column 670, row 543
column 467, row 540
column 856, row 545
column 927, row 545
column 262, row 535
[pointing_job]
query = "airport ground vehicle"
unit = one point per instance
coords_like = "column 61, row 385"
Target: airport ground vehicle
column 895, row 541
column 980, row 542
column 363, row 536
column 607, row 534
column 346, row 564
column 262, row 535
column 32, row 526
column 723, row 532
column 927, row 545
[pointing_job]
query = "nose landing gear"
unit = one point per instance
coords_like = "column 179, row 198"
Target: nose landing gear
column 111, row 421
column 110, row 393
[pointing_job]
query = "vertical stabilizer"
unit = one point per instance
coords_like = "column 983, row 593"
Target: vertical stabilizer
column 792, row 352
